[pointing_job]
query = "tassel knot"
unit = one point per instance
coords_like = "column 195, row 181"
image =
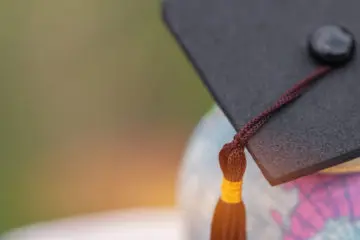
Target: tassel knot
column 232, row 162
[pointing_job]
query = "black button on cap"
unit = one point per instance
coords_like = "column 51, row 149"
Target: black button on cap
column 332, row 45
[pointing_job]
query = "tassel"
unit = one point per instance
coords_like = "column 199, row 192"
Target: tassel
column 229, row 220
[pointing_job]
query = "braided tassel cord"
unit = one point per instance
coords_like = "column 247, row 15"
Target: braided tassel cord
column 229, row 220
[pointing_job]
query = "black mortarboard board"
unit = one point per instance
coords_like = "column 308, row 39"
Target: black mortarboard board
column 249, row 52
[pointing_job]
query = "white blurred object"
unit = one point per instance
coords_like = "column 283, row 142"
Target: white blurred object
column 149, row 224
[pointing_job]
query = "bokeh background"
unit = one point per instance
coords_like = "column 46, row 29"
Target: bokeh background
column 97, row 102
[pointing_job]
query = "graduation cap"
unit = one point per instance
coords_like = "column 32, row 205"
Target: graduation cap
column 285, row 75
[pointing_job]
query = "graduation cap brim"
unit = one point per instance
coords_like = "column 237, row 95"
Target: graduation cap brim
column 249, row 52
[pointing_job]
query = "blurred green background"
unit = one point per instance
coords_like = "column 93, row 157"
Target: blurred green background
column 96, row 98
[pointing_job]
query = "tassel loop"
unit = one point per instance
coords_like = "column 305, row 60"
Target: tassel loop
column 231, row 191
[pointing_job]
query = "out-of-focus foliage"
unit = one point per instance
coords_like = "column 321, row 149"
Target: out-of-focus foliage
column 73, row 68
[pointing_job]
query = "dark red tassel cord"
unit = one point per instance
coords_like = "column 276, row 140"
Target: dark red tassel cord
column 229, row 221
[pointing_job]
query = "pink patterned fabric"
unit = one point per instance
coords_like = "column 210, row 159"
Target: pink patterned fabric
column 323, row 199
